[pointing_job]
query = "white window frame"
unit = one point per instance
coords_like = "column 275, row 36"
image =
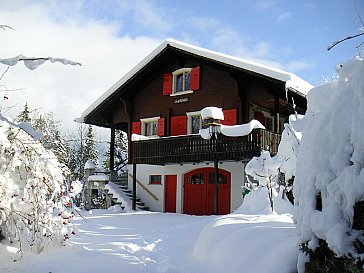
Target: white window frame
column 174, row 82
column 189, row 120
column 143, row 121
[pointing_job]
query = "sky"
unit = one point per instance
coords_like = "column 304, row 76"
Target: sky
column 110, row 37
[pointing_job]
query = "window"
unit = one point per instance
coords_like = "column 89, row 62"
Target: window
column 268, row 120
column 195, row 179
column 194, row 122
column 155, row 179
column 221, row 179
column 182, row 81
column 149, row 126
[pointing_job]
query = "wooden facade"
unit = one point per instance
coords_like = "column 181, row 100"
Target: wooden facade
column 148, row 101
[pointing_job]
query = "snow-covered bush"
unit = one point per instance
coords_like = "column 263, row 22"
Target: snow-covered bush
column 35, row 208
column 329, row 183
column 268, row 171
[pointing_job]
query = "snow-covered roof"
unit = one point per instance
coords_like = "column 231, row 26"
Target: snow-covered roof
column 292, row 81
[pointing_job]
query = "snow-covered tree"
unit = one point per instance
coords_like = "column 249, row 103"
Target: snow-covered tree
column 52, row 138
column 276, row 173
column 24, row 115
column 90, row 152
column 121, row 152
column 35, row 207
column 83, row 148
column 329, row 182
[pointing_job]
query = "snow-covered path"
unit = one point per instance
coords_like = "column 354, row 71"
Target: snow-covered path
column 169, row 243
column 140, row 242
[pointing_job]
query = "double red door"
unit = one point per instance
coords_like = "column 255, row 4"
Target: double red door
column 199, row 192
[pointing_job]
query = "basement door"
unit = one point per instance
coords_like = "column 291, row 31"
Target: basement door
column 199, row 192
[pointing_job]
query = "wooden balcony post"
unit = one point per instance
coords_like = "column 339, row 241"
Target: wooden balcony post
column 133, row 205
column 216, row 185
column 112, row 149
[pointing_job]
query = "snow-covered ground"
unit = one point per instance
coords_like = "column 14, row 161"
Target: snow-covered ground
column 249, row 240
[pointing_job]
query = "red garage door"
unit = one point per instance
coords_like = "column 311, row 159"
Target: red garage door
column 199, row 192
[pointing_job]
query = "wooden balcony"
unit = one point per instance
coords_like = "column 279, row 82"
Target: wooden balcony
column 193, row 148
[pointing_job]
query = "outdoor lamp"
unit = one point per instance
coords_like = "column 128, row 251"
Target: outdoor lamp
column 214, row 128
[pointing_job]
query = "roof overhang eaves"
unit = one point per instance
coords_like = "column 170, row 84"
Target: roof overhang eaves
column 292, row 81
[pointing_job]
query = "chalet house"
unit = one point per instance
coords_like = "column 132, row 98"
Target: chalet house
column 172, row 168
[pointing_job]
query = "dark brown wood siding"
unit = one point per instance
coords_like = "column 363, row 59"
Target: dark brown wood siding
column 217, row 88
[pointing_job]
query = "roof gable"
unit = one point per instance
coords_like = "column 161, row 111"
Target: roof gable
column 291, row 81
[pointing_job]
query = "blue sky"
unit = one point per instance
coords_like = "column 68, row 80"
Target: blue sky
column 110, row 37
column 292, row 35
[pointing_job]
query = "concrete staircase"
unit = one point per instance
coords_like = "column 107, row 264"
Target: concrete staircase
column 122, row 182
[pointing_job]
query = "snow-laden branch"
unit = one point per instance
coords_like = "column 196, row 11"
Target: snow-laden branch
column 34, row 62
column 4, row 27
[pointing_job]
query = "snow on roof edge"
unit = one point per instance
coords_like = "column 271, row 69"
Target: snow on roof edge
column 291, row 80
column 120, row 82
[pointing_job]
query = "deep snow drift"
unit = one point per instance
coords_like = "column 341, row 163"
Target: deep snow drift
column 253, row 242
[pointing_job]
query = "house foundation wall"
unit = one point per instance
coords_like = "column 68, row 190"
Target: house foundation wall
column 144, row 171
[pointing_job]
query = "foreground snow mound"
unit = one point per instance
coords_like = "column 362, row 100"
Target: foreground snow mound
column 249, row 244
column 234, row 242
column 34, row 205
column 330, row 177
column 257, row 202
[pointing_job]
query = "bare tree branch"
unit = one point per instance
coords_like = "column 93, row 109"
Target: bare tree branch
column 4, row 27
column 347, row 38
column 2, row 75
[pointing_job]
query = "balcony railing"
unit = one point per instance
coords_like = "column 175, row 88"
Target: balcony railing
column 193, row 148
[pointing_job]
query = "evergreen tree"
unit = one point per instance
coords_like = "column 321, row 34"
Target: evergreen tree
column 83, row 148
column 24, row 116
column 121, row 152
column 52, row 139
column 90, row 152
column 77, row 161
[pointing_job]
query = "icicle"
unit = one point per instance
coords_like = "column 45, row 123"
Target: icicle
column 294, row 109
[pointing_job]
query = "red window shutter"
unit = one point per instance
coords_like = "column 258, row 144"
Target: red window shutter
column 178, row 125
column 167, row 84
column 259, row 116
column 229, row 117
column 136, row 127
column 161, row 123
column 195, row 78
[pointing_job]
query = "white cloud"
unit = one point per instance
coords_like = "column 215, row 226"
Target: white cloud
column 151, row 17
column 284, row 16
column 64, row 90
column 71, row 31
column 296, row 66
column 264, row 5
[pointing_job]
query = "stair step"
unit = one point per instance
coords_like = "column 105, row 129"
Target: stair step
column 144, row 208
column 120, row 184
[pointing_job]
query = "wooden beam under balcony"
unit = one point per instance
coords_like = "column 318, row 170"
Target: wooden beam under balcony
column 193, row 148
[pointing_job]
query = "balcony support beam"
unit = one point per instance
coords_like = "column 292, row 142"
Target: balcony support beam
column 216, row 186
column 133, row 205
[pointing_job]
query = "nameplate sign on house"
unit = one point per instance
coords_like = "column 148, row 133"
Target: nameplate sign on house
column 181, row 100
